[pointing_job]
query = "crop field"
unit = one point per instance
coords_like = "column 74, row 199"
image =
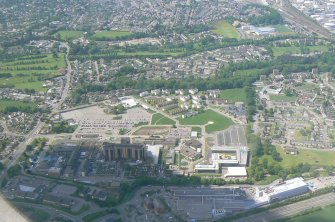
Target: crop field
column 312, row 157
column 159, row 119
column 237, row 95
column 219, row 122
column 111, row 34
column 226, row 30
column 30, row 72
column 66, row 35
column 8, row 103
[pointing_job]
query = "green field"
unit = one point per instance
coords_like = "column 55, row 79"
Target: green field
column 30, row 72
column 9, row 103
column 66, row 35
column 111, row 34
column 226, row 30
column 283, row 98
column 237, row 95
column 279, row 51
column 159, row 119
column 312, row 157
column 324, row 215
column 283, row 29
column 220, row 122
column 308, row 86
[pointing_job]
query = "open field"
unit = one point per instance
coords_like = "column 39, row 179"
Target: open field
column 283, row 98
column 237, row 95
column 30, row 72
column 111, row 34
column 324, row 215
column 313, row 157
column 9, row 103
column 159, row 119
column 220, row 122
column 283, row 29
column 66, row 35
column 279, row 51
column 226, row 30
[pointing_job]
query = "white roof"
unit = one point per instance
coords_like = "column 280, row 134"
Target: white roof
column 26, row 188
column 287, row 185
column 236, row 171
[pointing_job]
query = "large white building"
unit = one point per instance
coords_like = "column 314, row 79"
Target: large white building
column 282, row 190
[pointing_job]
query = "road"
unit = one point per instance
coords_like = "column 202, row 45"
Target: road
column 291, row 209
column 35, row 132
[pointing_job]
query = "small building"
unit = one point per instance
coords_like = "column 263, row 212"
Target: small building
column 236, row 172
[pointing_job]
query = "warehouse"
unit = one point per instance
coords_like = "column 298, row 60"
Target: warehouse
column 282, row 190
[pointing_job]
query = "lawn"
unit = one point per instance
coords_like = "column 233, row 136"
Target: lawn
column 283, row 98
column 324, row 215
column 283, row 29
column 9, row 103
column 313, row 157
column 226, row 30
column 220, row 122
column 159, row 119
column 66, row 35
column 279, row 51
column 30, row 72
column 111, row 34
column 234, row 95
column 308, row 86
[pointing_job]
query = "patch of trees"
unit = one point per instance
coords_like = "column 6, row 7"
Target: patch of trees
column 62, row 127
column 269, row 16
column 18, row 108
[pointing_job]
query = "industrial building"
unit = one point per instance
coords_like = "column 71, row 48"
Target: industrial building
column 123, row 151
column 224, row 157
column 281, row 190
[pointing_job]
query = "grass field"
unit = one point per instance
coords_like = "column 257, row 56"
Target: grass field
column 220, row 122
column 279, row 51
column 313, row 157
column 283, row 29
column 324, row 215
column 159, row 119
column 66, row 35
column 308, row 86
column 283, row 98
column 111, row 34
column 234, row 94
column 8, row 103
column 226, row 30
column 29, row 73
